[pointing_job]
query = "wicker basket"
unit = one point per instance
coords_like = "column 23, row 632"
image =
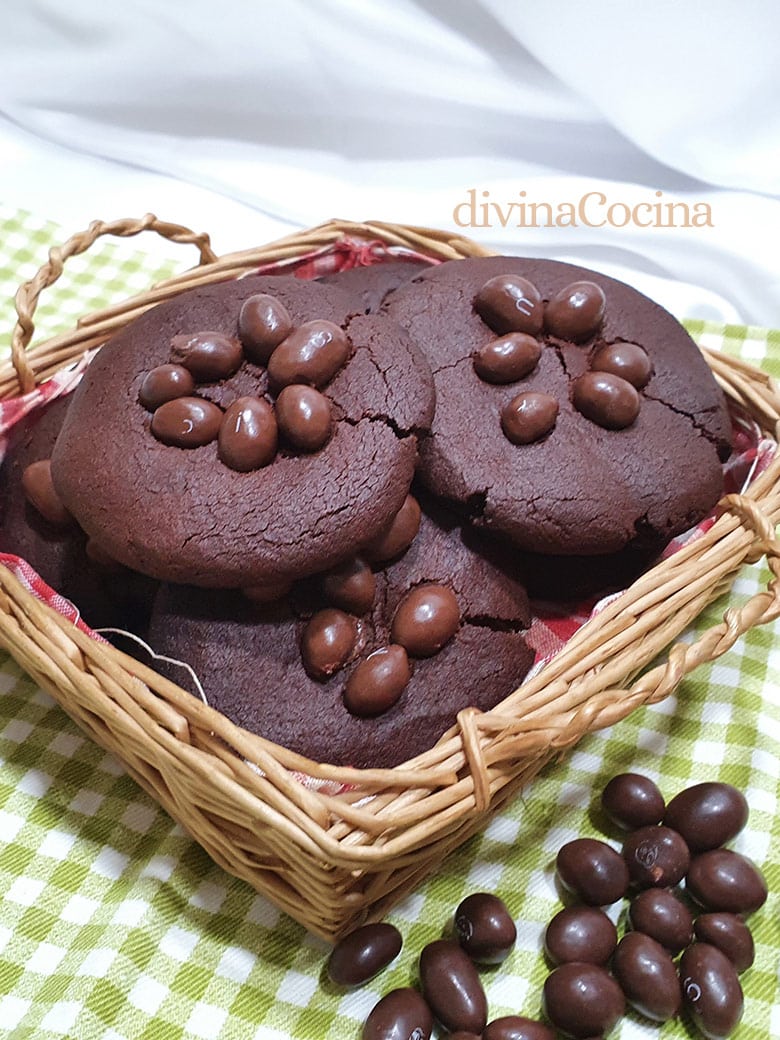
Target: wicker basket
column 332, row 860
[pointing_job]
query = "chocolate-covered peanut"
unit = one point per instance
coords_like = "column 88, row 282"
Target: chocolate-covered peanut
column 263, row 322
column 247, row 434
column 647, row 976
column 707, row 815
column 304, row 417
column 580, row 933
column 452, row 987
column 592, row 870
column 606, row 400
column 329, row 641
column 427, row 617
column 351, row 586
column 401, row 1014
column 582, row 1000
column 40, row 492
column 575, row 312
column 312, row 354
column 711, row 990
column 165, row 383
column 187, row 422
column 730, row 934
column 485, row 928
column 657, row 857
column 657, row 912
column 721, row 879
column 376, row 682
column 627, row 360
column 507, row 359
column 529, row 417
column 516, row 1027
column 632, row 800
column 363, row 953
column 398, row 536
column 509, row 303
column 209, row 356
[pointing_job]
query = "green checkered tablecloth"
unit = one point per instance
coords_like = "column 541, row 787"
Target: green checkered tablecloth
column 115, row 925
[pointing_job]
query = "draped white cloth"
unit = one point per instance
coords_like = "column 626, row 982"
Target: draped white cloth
column 250, row 118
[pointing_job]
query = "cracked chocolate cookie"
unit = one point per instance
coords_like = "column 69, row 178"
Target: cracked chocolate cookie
column 244, row 434
column 574, row 415
column 35, row 526
column 366, row 665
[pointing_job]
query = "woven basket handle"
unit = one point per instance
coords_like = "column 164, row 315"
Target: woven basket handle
column 28, row 294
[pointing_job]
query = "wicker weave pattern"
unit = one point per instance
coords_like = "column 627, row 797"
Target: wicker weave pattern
column 334, row 860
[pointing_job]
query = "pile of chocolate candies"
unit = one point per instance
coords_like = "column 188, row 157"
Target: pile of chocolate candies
column 667, row 844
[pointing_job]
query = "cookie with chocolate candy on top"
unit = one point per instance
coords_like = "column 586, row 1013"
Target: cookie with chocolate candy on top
column 574, row 415
column 251, row 432
column 366, row 665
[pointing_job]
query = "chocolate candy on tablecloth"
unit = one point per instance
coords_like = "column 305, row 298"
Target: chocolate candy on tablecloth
column 516, row 1027
column 647, row 975
column 632, row 800
column 187, row 422
column 593, row 871
column 580, row 933
column 627, row 360
column 452, row 987
column 426, row 618
column 209, row 356
column 363, row 953
column 529, row 417
column 401, row 1014
column 305, row 417
column 351, row 586
column 606, row 399
column 376, row 682
column 248, row 434
column 721, row 879
column 312, row 353
column 507, row 359
column 485, row 928
column 711, row 990
column 575, row 312
column 730, row 934
column 329, row 641
column 509, row 303
column 40, row 492
column 657, row 857
column 399, row 534
column 582, row 1000
column 165, row 383
column 263, row 322
column 707, row 815
column 657, row 912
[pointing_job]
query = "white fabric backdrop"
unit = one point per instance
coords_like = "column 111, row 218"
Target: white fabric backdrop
column 249, row 118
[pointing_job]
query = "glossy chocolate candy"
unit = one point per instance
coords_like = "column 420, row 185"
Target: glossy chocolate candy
column 484, row 928
column 575, row 312
column 304, row 416
column 248, row 435
column 529, row 417
column 516, row 1027
column 187, row 422
column 707, row 815
column 632, row 800
column 580, row 933
column 426, row 619
column 711, row 990
column 329, row 641
column 376, row 682
column 606, row 399
column 582, row 1000
column 508, row 358
column 721, row 879
column 593, row 871
column 452, row 987
column 363, row 953
column 657, row 857
column 509, row 303
column 401, row 1014
column 647, row 976
column 263, row 322
column 657, row 912
column 351, row 586
column 209, row 356
column 165, row 383
column 40, row 492
column 398, row 535
column 627, row 360
column 312, row 354
column 730, row 934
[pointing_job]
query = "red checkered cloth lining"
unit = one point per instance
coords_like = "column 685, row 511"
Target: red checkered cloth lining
column 551, row 627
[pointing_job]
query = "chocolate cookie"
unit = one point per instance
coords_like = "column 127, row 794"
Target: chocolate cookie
column 574, row 415
column 245, row 433
column 35, row 526
column 442, row 618
column 370, row 286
